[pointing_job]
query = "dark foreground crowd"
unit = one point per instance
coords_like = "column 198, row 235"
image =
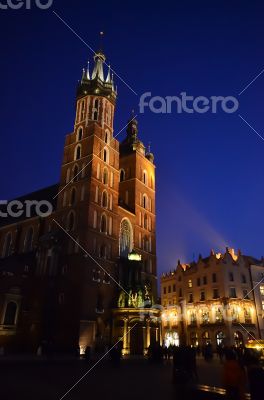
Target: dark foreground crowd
column 242, row 368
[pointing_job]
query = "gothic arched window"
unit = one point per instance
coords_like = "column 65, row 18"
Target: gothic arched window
column 80, row 134
column 28, row 241
column 145, row 177
column 126, row 238
column 103, row 224
column 105, row 176
column 75, row 173
column 10, row 313
column 107, row 137
column 71, row 221
column 106, row 155
column 104, row 199
column 7, row 248
column 78, row 152
column 122, row 175
column 145, row 201
column 73, row 196
column 95, row 109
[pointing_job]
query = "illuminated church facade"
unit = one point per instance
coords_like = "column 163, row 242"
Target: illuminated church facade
column 83, row 275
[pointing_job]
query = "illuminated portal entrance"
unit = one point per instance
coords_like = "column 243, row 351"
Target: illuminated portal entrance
column 171, row 339
column 137, row 339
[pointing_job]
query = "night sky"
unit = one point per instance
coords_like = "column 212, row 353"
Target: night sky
column 210, row 184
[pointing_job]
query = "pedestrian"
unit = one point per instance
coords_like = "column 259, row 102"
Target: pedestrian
column 234, row 377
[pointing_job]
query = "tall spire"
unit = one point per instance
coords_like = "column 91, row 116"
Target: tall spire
column 94, row 81
column 108, row 79
column 88, row 71
column 98, row 70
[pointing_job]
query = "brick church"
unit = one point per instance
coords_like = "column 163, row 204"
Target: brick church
column 85, row 274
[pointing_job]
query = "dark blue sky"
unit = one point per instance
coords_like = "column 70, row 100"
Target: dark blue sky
column 210, row 183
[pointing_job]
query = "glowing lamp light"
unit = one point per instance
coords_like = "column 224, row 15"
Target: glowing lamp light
column 133, row 256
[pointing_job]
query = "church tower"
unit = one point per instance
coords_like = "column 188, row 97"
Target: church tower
column 88, row 198
column 106, row 203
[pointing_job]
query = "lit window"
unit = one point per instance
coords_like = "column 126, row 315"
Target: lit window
column 262, row 304
column 261, row 288
column 190, row 283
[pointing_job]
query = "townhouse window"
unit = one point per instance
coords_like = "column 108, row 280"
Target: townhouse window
column 205, row 280
column 169, row 289
column 215, row 293
column 262, row 305
column 243, row 278
column 245, row 294
column 231, row 276
column 180, row 292
column 190, row 298
column 190, row 283
column 202, row 296
column 232, row 292
column 198, row 281
column 261, row 289
column 214, row 279
column 174, row 287
column 164, row 290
